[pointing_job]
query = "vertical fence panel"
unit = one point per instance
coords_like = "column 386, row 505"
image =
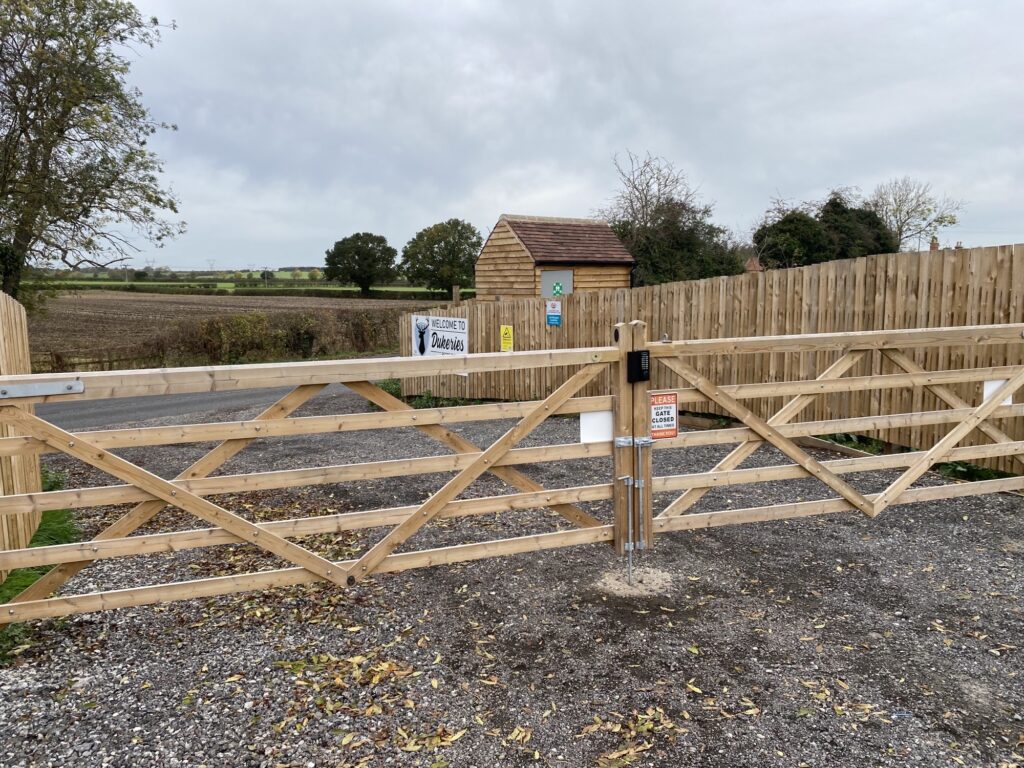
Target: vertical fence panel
column 18, row 474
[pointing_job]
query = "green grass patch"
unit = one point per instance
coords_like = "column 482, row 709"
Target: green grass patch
column 55, row 527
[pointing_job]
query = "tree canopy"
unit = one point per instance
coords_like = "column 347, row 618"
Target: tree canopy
column 838, row 228
column 363, row 259
column 665, row 226
column 442, row 255
column 78, row 184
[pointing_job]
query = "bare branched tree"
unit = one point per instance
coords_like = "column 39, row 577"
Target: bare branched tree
column 912, row 211
column 648, row 183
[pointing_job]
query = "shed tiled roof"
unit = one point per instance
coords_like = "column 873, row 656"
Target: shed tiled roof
column 568, row 241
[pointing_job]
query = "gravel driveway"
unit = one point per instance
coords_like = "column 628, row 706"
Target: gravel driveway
column 832, row 641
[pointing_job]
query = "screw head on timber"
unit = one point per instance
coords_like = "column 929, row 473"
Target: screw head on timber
column 69, row 387
column 71, row 443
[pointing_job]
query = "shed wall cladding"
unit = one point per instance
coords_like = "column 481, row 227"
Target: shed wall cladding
column 504, row 268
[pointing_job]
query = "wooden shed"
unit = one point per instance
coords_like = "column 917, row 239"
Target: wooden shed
column 530, row 255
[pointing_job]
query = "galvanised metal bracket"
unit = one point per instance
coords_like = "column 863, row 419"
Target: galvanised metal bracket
column 641, row 443
column 41, row 389
column 623, row 442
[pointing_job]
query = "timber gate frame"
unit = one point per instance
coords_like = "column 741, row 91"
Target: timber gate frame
column 634, row 523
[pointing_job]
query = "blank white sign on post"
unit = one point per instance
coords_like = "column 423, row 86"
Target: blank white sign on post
column 596, row 427
column 990, row 388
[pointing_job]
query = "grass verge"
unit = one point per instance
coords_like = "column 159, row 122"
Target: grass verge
column 56, row 527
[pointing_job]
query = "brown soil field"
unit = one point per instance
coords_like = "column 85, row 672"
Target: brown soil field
column 93, row 320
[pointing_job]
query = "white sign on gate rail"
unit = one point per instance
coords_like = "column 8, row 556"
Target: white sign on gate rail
column 433, row 336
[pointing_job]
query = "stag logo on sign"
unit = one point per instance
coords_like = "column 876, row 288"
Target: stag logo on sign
column 433, row 336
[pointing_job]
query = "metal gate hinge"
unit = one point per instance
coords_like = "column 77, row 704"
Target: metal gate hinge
column 41, row 389
column 623, row 442
column 643, row 441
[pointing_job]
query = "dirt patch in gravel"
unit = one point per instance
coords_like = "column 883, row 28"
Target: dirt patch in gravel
column 831, row 641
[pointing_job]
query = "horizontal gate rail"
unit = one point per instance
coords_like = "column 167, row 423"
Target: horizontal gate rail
column 156, row 543
column 846, row 342
column 692, row 395
column 285, row 577
column 305, row 425
column 101, row 385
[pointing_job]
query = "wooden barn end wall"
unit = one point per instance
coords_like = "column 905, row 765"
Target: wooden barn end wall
column 890, row 291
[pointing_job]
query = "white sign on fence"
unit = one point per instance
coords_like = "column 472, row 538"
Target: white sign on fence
column 433, row 336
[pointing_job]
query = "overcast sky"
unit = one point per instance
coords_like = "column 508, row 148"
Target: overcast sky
column 303, row 122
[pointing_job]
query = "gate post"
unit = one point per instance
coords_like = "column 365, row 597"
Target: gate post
column 622, row 451
column 642, row 446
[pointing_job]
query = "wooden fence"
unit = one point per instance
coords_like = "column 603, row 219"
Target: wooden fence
column 629, row 483
column 892, row 291
column 18, row 474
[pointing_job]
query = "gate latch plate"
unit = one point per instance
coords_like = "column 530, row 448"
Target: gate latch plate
column 41, row 389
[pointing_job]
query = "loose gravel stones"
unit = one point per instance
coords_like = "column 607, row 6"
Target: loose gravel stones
column 831, row 641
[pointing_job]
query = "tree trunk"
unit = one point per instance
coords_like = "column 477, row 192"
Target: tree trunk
column 10, row 270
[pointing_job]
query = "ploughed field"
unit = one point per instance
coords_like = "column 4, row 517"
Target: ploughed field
column 825, row 641
column 96, row 319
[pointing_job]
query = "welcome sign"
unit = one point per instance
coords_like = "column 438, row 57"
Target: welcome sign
column 434, row 336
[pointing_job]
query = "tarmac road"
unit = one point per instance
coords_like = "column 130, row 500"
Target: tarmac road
column 92, row 414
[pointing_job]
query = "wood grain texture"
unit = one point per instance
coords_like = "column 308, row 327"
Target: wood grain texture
column 887, row 292
column 18, row 474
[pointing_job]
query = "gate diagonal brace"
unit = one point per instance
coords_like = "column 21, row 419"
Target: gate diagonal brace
column 811, row 465
column 372, row 558
column 950, row 398
column 145, row 511
column 745, row 450
column 458, row 443
column 938, row 451
column 168, row 493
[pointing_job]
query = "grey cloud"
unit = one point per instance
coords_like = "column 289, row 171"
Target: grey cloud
column 303, row 122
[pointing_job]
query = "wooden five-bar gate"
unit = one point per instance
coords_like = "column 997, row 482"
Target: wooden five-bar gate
column 632, row 523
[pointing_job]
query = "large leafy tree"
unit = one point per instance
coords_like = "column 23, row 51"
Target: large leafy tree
column 442, row 255
column 363, row 259
column 794, row 240
column 838, row 228
column 665, row 226
column 78, row 184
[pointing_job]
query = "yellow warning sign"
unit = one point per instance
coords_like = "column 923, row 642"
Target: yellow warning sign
column 507, row 339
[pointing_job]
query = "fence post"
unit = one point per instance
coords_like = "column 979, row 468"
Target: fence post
column 622, row 429
column 642, row 446
column 18, row 474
